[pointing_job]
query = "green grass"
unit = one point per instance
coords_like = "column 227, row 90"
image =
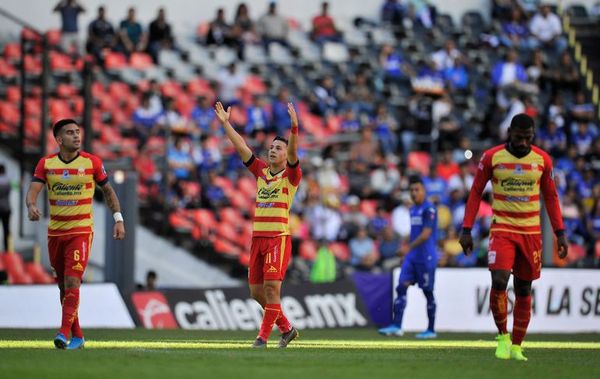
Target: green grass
column 355, row 353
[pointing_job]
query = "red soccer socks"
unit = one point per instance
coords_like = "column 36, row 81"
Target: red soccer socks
column 70, row 305
column 521, row 317
column 272, row 312
column 499, row 306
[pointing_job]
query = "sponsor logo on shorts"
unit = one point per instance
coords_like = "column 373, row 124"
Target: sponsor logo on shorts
column 491, row 257
column 272, row 269
column 78, row 267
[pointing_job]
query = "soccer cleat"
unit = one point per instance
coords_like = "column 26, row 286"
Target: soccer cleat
column 76, row 343
column 516, row 353
column 426, row 335
column 60, row 341
column 392, row 330
column 504, row 346
column 259, row 343
column 288, row 337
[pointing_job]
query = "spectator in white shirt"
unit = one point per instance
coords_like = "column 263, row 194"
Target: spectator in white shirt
column 444, row 58
column 547, row 28
column 230, row 80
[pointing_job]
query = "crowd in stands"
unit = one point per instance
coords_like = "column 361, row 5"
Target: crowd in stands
column 412, row 99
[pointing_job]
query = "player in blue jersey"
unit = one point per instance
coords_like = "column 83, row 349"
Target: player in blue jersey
column 420, row 260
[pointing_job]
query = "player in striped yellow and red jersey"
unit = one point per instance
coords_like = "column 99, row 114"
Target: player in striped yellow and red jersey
column 519, row 172
column 71, row 176
column 277, row 181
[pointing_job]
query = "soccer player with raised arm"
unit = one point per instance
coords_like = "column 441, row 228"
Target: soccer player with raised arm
column 277, row 181
column 420, row 261
column 70, row 177
column 519, row 171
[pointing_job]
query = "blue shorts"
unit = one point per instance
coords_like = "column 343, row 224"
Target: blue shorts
column 416, row 272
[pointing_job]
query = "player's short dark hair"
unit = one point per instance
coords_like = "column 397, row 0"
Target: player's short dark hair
column 151, row 274
column 521, row 122
column 415, row 179
column 58, row 125
column 280, row 138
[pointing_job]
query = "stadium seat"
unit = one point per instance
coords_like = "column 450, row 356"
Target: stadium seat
column 230, row 216
column 244, row 259
column 308, row 250
column 227, row 231
column 9, row 113
column 368, row 208
column 340, row 250
column 66, row 91
column 115, row 61
column 141, row 61
column 33, row 128
column 419, row 161
column 38, row 274
column 59, row 109
column 33, row 65
column 247, row 185
column 7, row 71
column 60, row 63
column 335, row 52
column 255, row 85
column 12, row 52
column 226, row 248
column 53, row 37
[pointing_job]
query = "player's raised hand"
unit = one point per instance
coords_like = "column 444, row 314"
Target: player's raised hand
column 119, row 230
column 466, row 241
column 220, row 112
column 293, row 116
column 33, row 213
column 563, row 247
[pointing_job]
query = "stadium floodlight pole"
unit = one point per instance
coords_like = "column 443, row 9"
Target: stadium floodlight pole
column 87, row 105
column 44, row 117
column 21, row 144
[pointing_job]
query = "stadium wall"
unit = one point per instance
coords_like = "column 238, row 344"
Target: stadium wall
column 564, row 301
column 185, row 15
column 37, row 307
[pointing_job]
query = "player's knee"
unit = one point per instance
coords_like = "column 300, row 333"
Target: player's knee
column 271, row 291
column 500, row 280
column 72, row 282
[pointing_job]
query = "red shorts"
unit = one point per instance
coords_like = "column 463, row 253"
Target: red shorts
column 269, row 258
column 519, row 253
column 69, row 254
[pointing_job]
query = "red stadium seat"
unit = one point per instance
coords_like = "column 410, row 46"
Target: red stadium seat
column 180, row 222
column 244, row 259
column 38, row 274
column 202, row 30
column 13, row 94
column 60, row 62
column 97, row 89
column 119, row 90
column 247, row 185
column 419, row 161
column 140, row 61
column 341, row 251
column 308, row 250
column 230, row 216
column 368, row 208
column 171, row 89
column 33, row 107
column 9, row 113
column 255, row 85
column 227, row 231
column 12, row 52
column 226, row 248
column 53, row 37
column 33, row 65
column 7, row 70
column 33, row 128
column 199, row 86
column 59, row 109
column 115, row 61
column 66, row 91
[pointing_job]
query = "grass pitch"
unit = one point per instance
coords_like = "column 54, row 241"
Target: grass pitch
column 349, row 353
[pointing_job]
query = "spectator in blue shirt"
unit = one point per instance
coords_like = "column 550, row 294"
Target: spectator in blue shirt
column 145, row 119
column 392, row 12
column 584, row 137
column 131, row 34
column 552, row 139
column 363, row 254
column 457, row 76
column 69, row 32
column 515, row 33
column 180, row 160
column 213, row 195
column 203, row 116
column 258, row 118
column 280, row 116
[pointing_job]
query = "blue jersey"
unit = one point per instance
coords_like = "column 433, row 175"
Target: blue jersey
column 423, row 216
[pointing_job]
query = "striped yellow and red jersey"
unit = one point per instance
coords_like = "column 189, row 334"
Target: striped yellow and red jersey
column 70, row 191
column 516, row 186
column 274, row 197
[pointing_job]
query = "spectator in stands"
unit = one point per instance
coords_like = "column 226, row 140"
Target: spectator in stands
column 323, row 27
column 444, row 119
column 280, row 118
column 353, row 219
column 219, row 31
column 213, row 195
column 552, row 139
column 155, row 96
column 508, row 74
column 160, row 35
column 462, row 180
column 385, row 178
column 502, row 9
column 385, row 127
column 328, row 178
column 69, row 32
column 593, row 223
column 325, row 219
column 145, row 120
column 131, row 35
column 180, row 160
column 392, row 12
column 584, row 137
column 203, row 116
column 243, row 26
column 359, row 177
column 258, row 116
column 445, row 58
column 421, row 13
column 5, row 205
column 393, row 66
column 151, row 279
column 363, row 254
column 401, row 216
column 446, row 167
column 272, row 27
column 537, row 71
column 171, row 120
column 515, row 33
column 207, row 157
column 101, row 36
column 389, row 245
column 581, row 110
column 565, row 75
column 349, row 122
column 457, row 76
column 326, row 97
column 378, row 222
column 366, row 149
column 359, row 94
column 547, row 28
column 229, row 82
